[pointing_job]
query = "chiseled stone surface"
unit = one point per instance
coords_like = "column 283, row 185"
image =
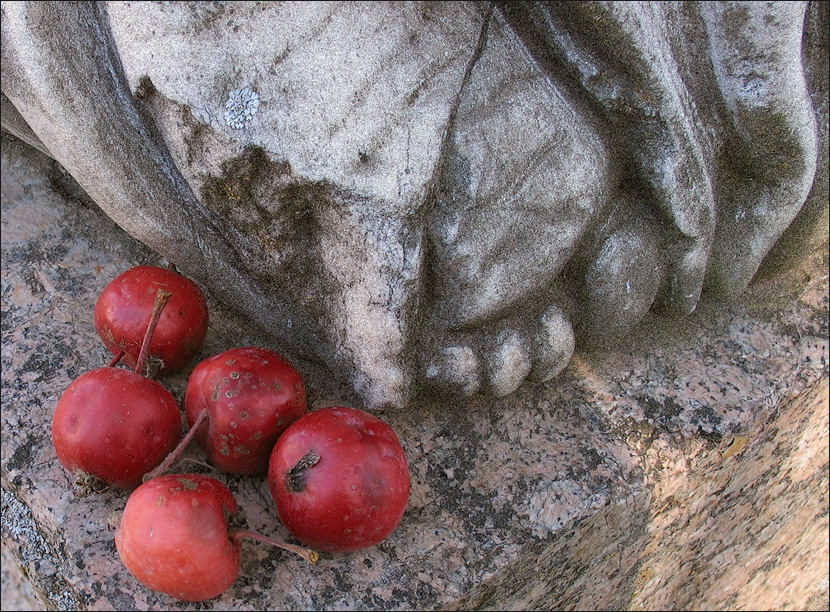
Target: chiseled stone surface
column 675, row 472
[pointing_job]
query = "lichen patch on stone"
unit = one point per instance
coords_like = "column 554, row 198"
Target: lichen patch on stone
column 241, row 106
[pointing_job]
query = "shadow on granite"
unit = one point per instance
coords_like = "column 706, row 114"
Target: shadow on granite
column 688, row 469
column 739, row 525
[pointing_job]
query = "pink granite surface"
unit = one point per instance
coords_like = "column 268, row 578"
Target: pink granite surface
column 674, row 471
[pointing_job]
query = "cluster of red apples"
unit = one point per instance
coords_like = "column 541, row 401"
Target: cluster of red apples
column 338, row 475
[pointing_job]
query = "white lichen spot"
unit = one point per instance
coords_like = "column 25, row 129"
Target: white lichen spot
column 241, row 106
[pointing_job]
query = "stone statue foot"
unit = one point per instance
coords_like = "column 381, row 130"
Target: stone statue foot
column 497, row 357
column 615, row 278
column 525, row 173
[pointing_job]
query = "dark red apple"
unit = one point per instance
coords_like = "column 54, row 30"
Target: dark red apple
column 123, row 311
column 340, row 479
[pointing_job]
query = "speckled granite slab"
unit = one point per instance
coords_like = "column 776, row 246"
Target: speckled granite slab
column 686, row 469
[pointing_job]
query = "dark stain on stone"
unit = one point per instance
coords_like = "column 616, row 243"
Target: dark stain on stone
column 399, row 596
column 341, row 582
column 712, row 437
column 661, row 413
column 47, row 364
column 22, row 456
column 145, row 88
column 425, row 595
column 704, row 414
column 592, row 457
column 372, row 602
column 122, row 600
column 273, row 219
column 326, row 594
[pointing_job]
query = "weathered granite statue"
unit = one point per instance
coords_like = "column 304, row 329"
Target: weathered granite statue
column 440, row 196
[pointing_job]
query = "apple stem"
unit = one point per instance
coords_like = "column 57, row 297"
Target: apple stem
column 162, row 297
column 171, row 457
column 306, row 553
column 115, row 360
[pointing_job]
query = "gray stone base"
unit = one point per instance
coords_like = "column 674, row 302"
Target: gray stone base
column 686, row 470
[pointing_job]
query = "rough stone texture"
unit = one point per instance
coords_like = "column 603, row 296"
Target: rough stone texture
column 718, row 531
column 685, row 469
column 17, row 592
column 439, row 196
